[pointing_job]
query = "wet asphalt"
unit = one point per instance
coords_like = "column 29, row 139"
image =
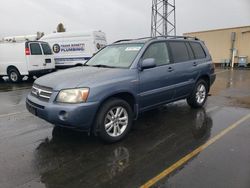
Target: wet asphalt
column 35, row 154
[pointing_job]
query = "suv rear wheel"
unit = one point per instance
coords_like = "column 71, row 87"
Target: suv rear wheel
column 14, row 75
column 114, row 120
column 198, row 96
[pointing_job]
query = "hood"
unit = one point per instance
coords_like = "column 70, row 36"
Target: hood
column 83, row 77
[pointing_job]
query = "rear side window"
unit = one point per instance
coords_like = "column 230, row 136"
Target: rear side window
column 179, row 51
column 198, row 50
column 190, row 51
column 159, row 52
column 35, row 49
column 46, row 49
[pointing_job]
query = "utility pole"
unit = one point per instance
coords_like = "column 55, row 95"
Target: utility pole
column 163, row 18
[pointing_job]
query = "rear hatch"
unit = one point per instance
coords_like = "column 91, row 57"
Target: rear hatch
column 39, row 56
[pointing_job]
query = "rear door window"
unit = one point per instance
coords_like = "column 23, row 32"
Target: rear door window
column 159, row 52
column 179, row 51
column 46, row 49
column 35, row 49
column 198, row 50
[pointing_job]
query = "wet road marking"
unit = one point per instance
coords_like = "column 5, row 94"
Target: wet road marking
column 221, row 71
column 11, row 114
column 195, row 152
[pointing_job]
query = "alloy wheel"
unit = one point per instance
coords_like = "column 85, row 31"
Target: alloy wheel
column 116, row 121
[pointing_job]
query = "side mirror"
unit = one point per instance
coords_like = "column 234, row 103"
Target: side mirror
column 148, row 63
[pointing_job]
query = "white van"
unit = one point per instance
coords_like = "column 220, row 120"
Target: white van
column 75, row 48
column 29, row 58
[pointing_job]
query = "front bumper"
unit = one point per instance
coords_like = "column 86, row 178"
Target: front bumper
column 80, row 116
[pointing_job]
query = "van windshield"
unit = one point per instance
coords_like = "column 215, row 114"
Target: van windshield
column 116, row 56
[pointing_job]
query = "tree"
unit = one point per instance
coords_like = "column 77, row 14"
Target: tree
column 60, row 28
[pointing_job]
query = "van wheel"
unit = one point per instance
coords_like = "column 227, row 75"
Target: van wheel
column 14, row 75
column 198, row 96
column 114, row 120
column 30, row 78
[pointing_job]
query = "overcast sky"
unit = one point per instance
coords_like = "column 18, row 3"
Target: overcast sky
column 117, row 18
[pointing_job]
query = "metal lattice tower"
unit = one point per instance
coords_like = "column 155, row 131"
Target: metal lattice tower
column 163, row 19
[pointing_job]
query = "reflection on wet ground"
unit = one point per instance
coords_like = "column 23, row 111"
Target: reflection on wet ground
column 6, row 85
column 34, row 154
column 98, row 165
column 234, row 87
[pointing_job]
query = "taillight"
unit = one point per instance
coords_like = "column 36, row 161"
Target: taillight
column 27, row 51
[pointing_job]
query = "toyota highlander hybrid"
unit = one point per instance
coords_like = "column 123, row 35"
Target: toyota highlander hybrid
column 121, row 81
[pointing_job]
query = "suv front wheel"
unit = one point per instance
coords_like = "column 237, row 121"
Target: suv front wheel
column 198, row 96
column 114, row 120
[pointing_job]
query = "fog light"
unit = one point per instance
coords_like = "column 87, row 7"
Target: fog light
column 63, row 115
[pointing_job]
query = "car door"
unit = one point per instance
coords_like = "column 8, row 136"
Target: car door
column 156, row 83
column 185, row 67
column 200, row 57
column 48, row 56
column 35, row 59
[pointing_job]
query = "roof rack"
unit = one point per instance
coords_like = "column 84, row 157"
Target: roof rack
column 125, row 40
column 163, row 36
column 177, row 37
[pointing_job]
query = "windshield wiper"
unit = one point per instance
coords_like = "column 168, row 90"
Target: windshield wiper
column 104, row 66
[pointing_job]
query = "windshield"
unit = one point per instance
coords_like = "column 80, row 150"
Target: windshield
column 121, row 55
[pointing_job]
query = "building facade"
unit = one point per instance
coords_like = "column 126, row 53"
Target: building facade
column 226, row 45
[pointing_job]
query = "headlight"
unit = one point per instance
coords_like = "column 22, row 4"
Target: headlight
column 73, row 95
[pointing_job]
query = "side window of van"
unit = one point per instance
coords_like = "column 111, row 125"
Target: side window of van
column 198, row 50
column 159, row 52
column 46, row 49
column 179, row 51
column 35, row 49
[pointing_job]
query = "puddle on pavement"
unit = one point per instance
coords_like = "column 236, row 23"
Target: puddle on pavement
column 6, row 86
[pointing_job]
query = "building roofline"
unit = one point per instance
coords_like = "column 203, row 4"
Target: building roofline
column 221, row 29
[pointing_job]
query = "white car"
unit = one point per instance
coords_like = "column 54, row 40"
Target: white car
column 75, row 48
column 29, row 58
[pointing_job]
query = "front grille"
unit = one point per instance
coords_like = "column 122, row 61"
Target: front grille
column 41, row 92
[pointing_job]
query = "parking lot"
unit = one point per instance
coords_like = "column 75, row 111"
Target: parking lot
column 174, row 146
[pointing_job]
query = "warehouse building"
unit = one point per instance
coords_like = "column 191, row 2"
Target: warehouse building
column 227, row 45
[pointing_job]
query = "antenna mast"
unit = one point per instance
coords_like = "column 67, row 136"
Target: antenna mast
column 163, row 19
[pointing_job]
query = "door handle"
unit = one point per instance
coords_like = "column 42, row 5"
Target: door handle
column 194, row 64
column 170, row 69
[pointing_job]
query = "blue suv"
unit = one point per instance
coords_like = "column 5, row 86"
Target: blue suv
column 121, row 81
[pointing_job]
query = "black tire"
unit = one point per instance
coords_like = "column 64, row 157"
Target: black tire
column 102, row 117
column 1, row 79
column 30, row 78
column 14, row 75
column 194, row 101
